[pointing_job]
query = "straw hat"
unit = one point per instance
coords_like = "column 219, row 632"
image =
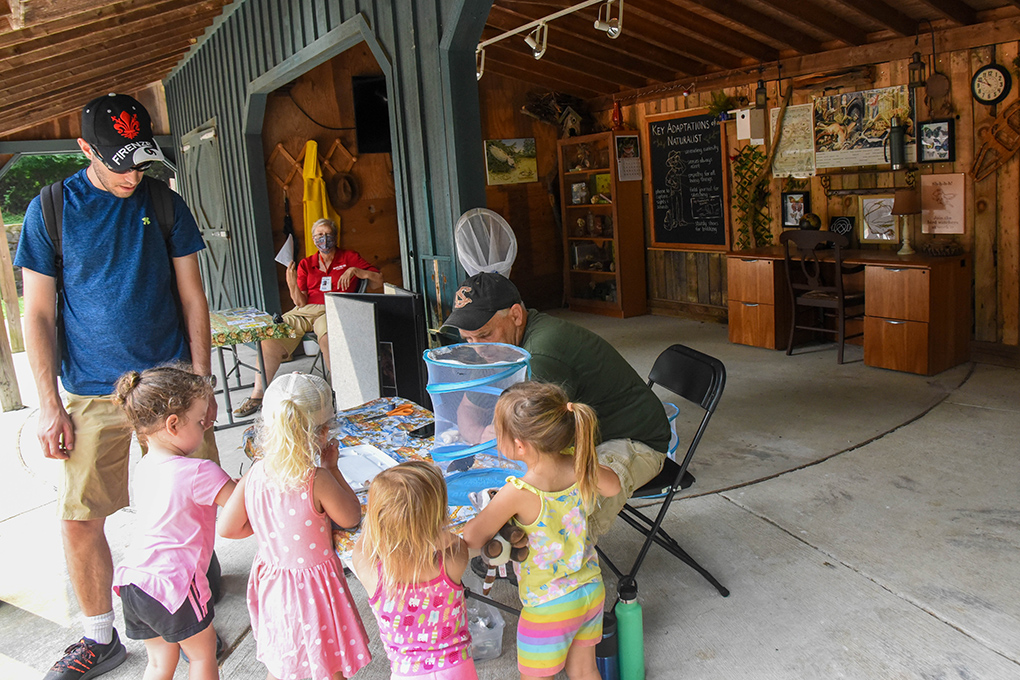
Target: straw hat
column 310, row 393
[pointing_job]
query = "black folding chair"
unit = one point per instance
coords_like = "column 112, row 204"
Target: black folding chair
column 699, row 379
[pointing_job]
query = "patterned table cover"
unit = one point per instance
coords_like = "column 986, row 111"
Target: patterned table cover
column 243, row 325
column 388, row 434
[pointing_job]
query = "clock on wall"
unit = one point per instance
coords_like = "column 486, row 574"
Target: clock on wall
column 991, row 84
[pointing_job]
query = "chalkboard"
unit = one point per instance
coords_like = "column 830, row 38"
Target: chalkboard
column 687, row 199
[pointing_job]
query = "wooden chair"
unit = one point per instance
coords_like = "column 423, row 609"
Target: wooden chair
column 814, row 278
column 700, row 380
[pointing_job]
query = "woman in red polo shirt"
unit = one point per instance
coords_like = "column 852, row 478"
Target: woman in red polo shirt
column 331, row 270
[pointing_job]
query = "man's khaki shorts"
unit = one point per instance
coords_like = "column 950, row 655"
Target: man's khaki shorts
column 636, row 464
column 310, row 318
column 95, row 480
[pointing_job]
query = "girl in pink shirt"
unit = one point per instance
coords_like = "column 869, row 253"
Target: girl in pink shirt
column 411, row 566
column 162, row 580
column 304, row 620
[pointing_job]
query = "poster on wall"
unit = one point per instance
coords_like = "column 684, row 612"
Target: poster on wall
column 510, row 161
column 942, row 203
column 853, row 128
column 687, row 199
column 795, row 155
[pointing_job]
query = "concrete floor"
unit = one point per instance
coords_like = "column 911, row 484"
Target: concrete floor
column 865, row 521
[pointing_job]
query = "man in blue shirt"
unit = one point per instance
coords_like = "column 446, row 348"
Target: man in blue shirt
column 118, row 313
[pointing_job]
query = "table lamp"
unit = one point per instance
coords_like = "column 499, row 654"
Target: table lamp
column 906, row 202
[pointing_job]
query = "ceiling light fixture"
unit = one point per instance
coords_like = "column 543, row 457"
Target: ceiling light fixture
column 538, row 40
column 537, row 31
column 612, row 27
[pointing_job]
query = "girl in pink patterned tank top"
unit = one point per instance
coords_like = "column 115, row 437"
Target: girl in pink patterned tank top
column 411, row 565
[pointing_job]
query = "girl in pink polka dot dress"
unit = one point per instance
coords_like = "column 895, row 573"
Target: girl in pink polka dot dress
column 302, row 616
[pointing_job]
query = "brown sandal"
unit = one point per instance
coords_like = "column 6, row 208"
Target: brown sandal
column 248, row 407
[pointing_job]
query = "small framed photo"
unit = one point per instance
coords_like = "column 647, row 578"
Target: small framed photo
column 878, row 224
column 796, row 204
column 842, row 224
column 579, row 193
column 936, row 141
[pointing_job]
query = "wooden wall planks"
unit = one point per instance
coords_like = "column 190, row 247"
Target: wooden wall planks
column 992, row 206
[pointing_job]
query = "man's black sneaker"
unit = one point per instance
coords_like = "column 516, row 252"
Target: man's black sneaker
column 88, row 659
column 480, row 568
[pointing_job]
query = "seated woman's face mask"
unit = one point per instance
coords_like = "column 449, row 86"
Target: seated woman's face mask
column 325, row 242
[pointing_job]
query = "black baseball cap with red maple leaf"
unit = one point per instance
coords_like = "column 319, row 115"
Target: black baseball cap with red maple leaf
column 119, row 129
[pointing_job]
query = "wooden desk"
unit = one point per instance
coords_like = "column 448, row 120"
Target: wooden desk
column 917, row 308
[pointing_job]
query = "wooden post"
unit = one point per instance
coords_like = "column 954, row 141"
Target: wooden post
column 10, row 395
column 9, row 293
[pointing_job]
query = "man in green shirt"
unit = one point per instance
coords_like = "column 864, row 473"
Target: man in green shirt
column 632, row 421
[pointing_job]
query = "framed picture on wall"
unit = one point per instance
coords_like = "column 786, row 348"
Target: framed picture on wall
column 878, row 224
column 796, row 204
column 936, row 141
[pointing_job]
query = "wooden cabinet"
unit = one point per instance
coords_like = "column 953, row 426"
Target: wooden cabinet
column 759, row 311
column 917, row 309
column 603, row 237
column 917, row 319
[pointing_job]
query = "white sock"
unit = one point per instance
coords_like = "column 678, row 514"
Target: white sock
column 99, row 628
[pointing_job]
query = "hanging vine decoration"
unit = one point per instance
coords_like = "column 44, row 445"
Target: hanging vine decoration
column 761, row 194
column 750, row 199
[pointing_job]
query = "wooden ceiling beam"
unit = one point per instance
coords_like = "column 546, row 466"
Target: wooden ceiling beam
column 538, row 80
column 834, row 26
column 761, row 23
column 620, row 59
column 553, row 69
column 689, row 23
column 954, row 10
column 67, row 103
column 893, row 19
column 575, row 61
column 111, row 40
column 40, row 88
column 630, row 41
column 128, row 17
column 36, row 12
column 39, row 109
column 81, row 64
column 656, row 33
column 649, row 62
column 625, row 50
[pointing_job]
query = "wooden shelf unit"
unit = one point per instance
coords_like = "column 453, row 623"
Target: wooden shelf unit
column 604, row 273
column 917, row 308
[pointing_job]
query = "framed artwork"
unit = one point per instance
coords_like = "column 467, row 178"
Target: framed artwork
column 842, row 224
column 878, row 224
column 510, row 161
column 936, row 141
column 796, row 204
column 942, row 203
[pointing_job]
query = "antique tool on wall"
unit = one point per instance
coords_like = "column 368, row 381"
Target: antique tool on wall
column 1001, row 141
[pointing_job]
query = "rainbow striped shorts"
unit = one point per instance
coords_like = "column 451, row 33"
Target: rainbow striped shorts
column 545, row 632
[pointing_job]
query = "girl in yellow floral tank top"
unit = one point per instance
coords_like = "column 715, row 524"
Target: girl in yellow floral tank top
column 560, row 582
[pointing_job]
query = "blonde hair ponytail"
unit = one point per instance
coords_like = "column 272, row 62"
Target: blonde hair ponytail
column 586, row 463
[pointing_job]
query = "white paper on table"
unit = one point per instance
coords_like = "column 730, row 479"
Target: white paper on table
column 286, row 254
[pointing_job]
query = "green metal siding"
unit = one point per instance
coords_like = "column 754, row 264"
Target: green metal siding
column 428, row 50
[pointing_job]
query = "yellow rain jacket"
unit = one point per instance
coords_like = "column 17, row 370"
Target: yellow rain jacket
column 316, row 201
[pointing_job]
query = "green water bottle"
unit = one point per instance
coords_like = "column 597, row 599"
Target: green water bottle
column 630, row 631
